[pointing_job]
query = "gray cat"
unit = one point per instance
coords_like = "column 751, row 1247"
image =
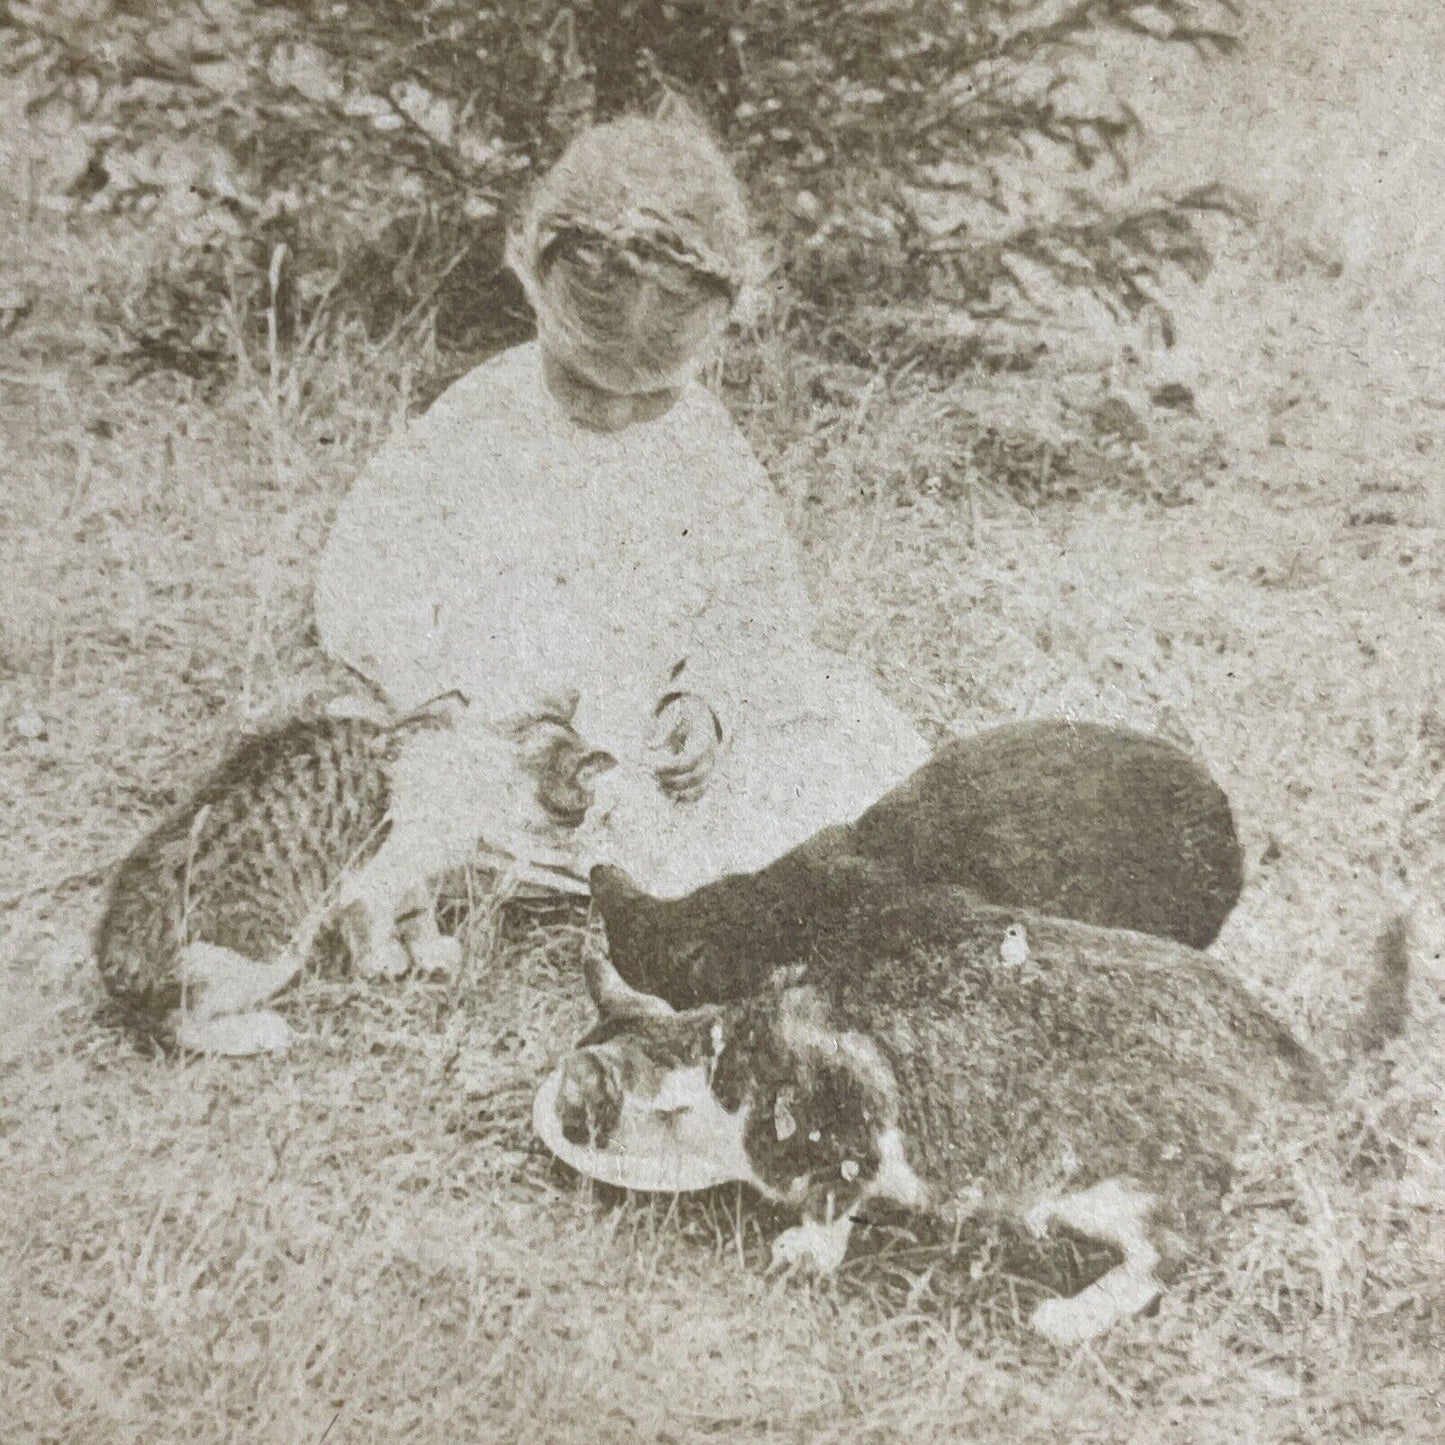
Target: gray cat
column 319, row 819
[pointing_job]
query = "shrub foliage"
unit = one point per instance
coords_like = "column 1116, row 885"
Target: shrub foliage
column 356, row 159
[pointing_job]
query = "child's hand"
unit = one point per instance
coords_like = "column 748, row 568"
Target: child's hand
column 688, row 737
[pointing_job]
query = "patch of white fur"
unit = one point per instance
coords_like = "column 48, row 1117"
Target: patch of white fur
column 235, row 1035
column 1094, row 1311
column 434, row 955
column 896, row 1179
column 217, row 981
column 1118, row 1214
column 685, row 1091
column 803, row 1031
column 220, row 993
column 822, row 1245
column 679, row 1140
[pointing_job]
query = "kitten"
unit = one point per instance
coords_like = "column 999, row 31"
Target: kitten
column 318, row 819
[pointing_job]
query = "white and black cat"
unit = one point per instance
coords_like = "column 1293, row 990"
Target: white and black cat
column 1096, row 1078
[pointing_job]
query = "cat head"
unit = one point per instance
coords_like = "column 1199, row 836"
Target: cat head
column 765, row 1092
column 724, row 940
column 634, row 1106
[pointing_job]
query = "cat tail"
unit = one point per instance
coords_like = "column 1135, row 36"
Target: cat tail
column 1386, row 1010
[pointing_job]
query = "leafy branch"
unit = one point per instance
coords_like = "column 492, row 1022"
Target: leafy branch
column 383, row 141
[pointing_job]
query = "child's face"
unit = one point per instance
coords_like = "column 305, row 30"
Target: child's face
column 630, row 323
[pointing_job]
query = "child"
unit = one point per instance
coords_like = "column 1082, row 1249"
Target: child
column 578, row 522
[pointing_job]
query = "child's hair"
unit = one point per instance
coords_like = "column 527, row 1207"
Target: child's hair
column 634, row 249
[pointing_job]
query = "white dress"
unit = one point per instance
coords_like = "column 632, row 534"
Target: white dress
column 499, row 548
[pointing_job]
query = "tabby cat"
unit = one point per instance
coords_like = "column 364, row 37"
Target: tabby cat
column 318, row 819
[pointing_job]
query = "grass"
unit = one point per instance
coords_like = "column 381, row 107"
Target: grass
column 363, row 1242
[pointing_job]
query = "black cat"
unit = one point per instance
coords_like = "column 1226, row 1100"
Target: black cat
column 1074, row 820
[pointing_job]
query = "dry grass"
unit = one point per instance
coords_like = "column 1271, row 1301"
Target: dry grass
column 362, row 1242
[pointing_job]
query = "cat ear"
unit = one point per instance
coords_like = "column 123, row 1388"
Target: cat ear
column 673, row 109
column 612, row 887
column 615, row 998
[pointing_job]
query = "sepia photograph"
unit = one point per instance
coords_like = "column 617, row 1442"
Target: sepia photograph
column 722, row 721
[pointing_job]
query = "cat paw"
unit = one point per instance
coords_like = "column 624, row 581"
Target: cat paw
column 235, row 1035
column 1074, row 1321
column 219, row 982
column 820, row 1247
column 437, row 957
column 387, row 960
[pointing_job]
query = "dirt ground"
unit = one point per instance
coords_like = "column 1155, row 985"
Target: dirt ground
column 362, row 1241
